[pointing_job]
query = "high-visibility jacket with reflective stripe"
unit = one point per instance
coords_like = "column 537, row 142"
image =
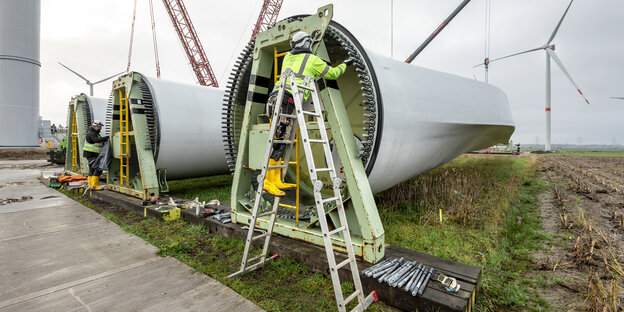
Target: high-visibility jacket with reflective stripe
column 309, row 64
column 94, row 148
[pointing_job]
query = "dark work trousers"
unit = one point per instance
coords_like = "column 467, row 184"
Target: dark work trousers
column 92, row 170
column 283, row 130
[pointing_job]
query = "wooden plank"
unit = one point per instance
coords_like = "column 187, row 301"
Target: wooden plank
column 163, row 285
column 467, row 272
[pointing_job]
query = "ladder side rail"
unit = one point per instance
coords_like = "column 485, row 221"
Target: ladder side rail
column 317, row 194
column 254, row 213
column 267, row 239
column 318, row 106
column 74, row 138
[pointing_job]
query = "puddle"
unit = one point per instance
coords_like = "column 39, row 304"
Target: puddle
column 6, row 201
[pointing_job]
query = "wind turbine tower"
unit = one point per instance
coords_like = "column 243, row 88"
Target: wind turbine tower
column 550, row 54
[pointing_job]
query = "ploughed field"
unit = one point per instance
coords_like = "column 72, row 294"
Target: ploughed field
column 582, row 262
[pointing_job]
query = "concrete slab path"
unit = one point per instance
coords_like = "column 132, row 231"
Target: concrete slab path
column 58, row 255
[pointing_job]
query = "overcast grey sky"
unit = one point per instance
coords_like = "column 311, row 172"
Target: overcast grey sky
column 92, row 37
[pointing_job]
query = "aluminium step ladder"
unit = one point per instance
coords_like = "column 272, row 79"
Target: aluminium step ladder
column 299, row 118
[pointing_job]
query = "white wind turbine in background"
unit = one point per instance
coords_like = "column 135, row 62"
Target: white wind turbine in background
column 550, row 53
column 91, row 84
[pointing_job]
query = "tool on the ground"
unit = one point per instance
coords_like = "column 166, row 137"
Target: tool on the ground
column 169, row 212
column 397, row 277
column 413, row 278
column 449, row 283
column 368, row 271
column 209, row 212
column 399, row 273
column 424, row 284
column 419, row 281
column 384, row 265
column 386, row 269
column 297, row 89
column 223, row 217
column 408, row 276
column 391, row 271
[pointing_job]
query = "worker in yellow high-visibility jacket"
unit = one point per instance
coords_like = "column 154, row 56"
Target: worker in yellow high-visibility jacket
column 302, row 62
column 91, row 149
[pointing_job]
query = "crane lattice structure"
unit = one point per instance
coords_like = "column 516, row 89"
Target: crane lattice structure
column 190, row 41
column 267, row 17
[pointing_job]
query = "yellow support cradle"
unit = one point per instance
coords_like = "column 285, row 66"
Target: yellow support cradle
column 124, row 141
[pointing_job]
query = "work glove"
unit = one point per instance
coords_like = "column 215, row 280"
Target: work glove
column 105, row 138
column 349, row 61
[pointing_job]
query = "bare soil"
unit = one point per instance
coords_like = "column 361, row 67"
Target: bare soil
column 31, row 153
column 580, row 263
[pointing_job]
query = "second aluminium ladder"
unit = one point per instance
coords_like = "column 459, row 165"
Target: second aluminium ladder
column 299, row 118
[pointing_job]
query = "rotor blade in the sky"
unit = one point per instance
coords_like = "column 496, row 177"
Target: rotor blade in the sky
column 504, row 57
column 77, row 74
column 113, row 76
column 554, row 33
column 563, row 69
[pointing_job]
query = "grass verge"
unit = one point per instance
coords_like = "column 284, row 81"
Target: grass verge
column 284, row 285
column 490, row 219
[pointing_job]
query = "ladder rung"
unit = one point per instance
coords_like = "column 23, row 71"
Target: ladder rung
column 259, row 237
column 340, row 229
column 343, row 263
column 287, row 206
column 304, row 87
column 351, row 297
column 316, row 141
column 327, row 200
column 322, row 169
column 252, row 267
column 254, row 258
column 311, row 113
column 278, row 166
column 283, row 142
column 268, row 213
column 288, row 116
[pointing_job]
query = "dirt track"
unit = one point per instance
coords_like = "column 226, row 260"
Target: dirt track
column 32, row 153
column 584, row 216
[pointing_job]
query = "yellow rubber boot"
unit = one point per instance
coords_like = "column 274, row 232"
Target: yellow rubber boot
column 90, row 180
column 272, row 189
column 96, row 180
column 278, row 179
column 275, row 175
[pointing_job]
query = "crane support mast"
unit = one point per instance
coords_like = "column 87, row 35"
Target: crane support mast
column 267, row 17
column 190, row 41
column 437, row 31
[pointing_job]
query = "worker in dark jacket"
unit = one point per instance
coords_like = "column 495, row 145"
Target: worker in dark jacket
column 302, row 62
column 91, row 149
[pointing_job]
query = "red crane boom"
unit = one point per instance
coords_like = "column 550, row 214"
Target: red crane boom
column 268, row 16
column 190, row 41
